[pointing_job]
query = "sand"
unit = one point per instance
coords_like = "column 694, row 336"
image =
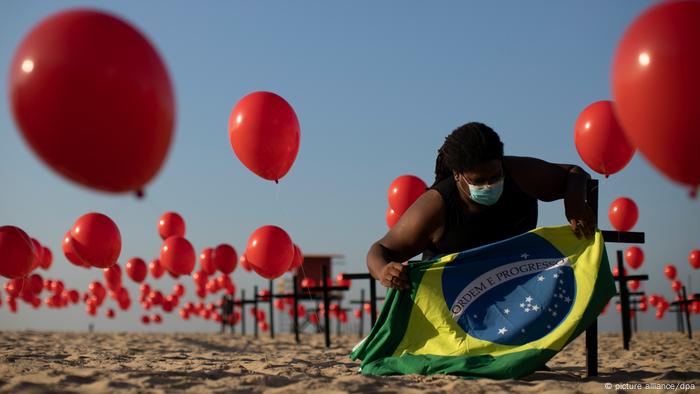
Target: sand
column 164, row 363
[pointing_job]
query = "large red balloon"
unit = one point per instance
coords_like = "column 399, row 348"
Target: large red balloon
column 69, row 252
column 206, row 261
column 171, row 224
column 670, row 271
column 177, row 255
column 17, row 254
column 270, row 251
column 136, row 269
column 623, row 214
column 694, row 258
column 96, row 240
column 264, row 133
column 225, row 258
column 93, row 99
column 656, row 85
column 634, row 256
column 600, row 141
column 404, row 191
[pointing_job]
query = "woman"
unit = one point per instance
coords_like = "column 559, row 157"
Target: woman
column 479, row 197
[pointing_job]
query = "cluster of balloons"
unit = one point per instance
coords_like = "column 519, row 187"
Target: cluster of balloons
column 20, row 254
column 656, row 88
column 108, row 129
column 150, row 297
column 93, row 241
column 403, row 192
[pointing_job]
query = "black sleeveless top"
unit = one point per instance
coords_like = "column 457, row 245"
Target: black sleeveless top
column 514, row 213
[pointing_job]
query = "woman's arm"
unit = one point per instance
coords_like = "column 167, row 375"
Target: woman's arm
column 548, row 182
column 409, row 237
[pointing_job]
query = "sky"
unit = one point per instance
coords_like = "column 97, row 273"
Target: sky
column 376, row 88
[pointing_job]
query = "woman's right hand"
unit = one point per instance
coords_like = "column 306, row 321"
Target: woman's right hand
column 394, row 275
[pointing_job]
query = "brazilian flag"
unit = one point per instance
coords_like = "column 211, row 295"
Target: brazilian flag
column 499, row 311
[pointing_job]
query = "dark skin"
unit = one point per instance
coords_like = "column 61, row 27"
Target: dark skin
column 424, row 221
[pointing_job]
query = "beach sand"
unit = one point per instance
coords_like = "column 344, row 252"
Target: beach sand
column 164, row 363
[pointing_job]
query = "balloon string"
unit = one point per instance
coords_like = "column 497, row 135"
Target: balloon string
column 325, row 307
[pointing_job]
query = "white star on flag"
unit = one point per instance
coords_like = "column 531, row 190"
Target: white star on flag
column 524, row 255
column 555, row 276
column 528, row 299
column 536, row 308
column 522, row 305
column 554, row 313
column 506, row 311
column 502, row 331
column 540, row 278
column 527, row 309
column 567, row 299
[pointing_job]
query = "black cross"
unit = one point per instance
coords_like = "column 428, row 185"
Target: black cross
column 682, row 306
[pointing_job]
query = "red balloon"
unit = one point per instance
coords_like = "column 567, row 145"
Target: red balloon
column 57, row 286
column 243, row 261
column 391, row 217
column 633, row 285
column 298, row 259
column 308, row 282
column 96, row 240
column 264, row 134
column 179, row 290
column 74, row 296
column 634, row 257
column 694, row 258
column 14, row 286
column 270, row 251
column 145, row 319
column 206, row 261
column 623, row 214
column 600, row 141
column 35, row 283
column 357, row 313
column 17, row 254
column 200, row 278
column 47, row 259
column 656, row 85
column 616, row 272
column 171, row 224
column 404, row 191
column 110, row 313
column 367, row 307
column 676, row 285
column 670, row 271
column 136, row 269
column 279, row 304
column 177, row 255
column 93, row 99
column 156, row 268
column 69, row 252
column 113, row 277
column 185, row 314
column 38, row 254
column 224, row 258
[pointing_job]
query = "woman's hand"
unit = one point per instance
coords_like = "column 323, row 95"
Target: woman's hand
column 394, row 275
column 582, row 219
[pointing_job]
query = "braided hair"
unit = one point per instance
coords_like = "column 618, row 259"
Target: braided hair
column 466, row 147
